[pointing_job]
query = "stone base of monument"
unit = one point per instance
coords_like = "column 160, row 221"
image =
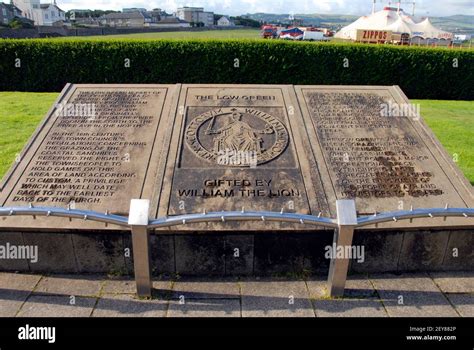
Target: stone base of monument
column 189, row 150
column 249, row 253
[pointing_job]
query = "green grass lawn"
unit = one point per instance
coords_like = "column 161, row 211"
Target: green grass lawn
column 20, row 113
column 205, row 34
column 451, row 121
column 453, row 124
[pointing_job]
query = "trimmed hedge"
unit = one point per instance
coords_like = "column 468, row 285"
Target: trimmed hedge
column 47, row 65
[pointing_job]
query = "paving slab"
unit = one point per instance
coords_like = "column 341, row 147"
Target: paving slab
column 56, row 306
column 18, row 281
column 128, row 286
column 464, row 303
column 356, row 287
column 204, row 308
column 128, row 305
column 77, row 285
column 207, row 289
column 454, row 282
column 412, row 295
column 14, row 290
column 269, row 298
column 349, row 308
column 162, row 289
column 443, row 294
column 360, row 299
column 118, row 286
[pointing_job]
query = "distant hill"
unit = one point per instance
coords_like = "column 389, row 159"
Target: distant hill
column 456, row 23
column 332, row 21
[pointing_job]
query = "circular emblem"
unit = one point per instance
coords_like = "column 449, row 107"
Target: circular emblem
column 236, row 136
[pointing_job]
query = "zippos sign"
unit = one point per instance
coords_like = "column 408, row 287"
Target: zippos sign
column 373, row 35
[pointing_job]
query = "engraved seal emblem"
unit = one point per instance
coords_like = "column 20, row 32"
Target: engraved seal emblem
column 241, row 133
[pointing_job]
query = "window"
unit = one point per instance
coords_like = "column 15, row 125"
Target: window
column 52, row 14
column 4, row 11
column 45, row 16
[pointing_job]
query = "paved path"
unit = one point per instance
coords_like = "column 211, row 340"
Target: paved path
column 448, row 294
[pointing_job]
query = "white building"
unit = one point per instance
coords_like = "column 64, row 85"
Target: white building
column 195, row 15
column 225, row 22
column 51, row 13
column 41, row 14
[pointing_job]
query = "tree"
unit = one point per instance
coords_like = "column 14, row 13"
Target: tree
column 90, row 13
column 16, row 23
column 242, row 21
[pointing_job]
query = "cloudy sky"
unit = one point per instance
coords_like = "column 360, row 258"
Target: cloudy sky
column 237, row 7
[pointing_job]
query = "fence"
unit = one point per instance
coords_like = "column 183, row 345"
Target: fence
column 140, row 225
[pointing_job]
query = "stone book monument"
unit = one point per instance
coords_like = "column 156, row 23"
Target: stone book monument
column 208, row 148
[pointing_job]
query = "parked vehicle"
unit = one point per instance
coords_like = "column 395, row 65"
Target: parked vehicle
column 313, row 36
column 269, row 32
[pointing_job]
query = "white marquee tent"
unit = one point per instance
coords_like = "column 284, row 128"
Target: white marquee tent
column 395, row 20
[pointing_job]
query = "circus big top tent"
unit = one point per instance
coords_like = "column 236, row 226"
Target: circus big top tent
column 396, row 21
column 293, row 33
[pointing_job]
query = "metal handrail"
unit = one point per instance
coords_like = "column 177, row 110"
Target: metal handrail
column 140, row 226
column 225, row 216
column 67, row 213
column 378, row 218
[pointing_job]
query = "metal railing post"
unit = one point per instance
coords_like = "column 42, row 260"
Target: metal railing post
column 346, row 221
column 138, row 220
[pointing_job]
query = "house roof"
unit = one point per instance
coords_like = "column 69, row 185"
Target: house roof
column 172, row 20
column 127, row 15
column 11, row 7
column 45, row 6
